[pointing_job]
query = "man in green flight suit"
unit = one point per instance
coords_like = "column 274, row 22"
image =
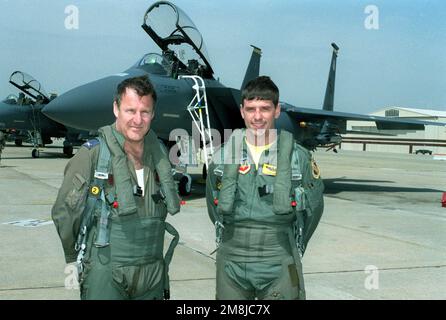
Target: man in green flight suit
column 111, row 208
column 265, row 196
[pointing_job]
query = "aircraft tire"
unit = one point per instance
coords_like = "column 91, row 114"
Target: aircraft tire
column 184, row 187
column 68, row 151
column 35, row 153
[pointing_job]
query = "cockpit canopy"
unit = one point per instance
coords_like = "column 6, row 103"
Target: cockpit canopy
column 155, row 63
column 30, row 86
column 11, row 99
column 175, row 33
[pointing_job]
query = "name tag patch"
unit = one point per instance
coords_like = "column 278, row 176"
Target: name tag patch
column 269, row 169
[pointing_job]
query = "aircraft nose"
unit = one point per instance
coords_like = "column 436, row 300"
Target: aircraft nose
column 87, row 107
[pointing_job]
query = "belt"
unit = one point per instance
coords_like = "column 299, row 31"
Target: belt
column 245, row 243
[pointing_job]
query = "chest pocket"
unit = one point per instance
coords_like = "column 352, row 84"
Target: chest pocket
column 265, row 188
column 155, row 203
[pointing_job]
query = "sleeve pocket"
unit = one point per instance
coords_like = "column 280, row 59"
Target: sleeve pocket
column 77, row 193
column 314, row 200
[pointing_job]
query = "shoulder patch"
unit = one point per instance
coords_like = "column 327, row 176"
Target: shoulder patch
column 91, row 143
column 315, row 169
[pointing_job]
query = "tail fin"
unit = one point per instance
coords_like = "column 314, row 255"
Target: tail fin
column 253, row 69
column 329, row 92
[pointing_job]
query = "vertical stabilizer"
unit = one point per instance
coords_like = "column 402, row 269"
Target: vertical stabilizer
column 253, row 69
column 329, row 91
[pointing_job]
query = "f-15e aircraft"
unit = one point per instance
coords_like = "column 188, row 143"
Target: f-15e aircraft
column 22, row 117
column 184, row 80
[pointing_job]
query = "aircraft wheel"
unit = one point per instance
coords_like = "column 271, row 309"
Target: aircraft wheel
column 35, row 153
column 185, row 185
column 18, row 142
column 68, row 150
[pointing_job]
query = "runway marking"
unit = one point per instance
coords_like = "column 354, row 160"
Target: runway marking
column 29, row 223
column 31, row 288
column 182, row 243
column 380, row 269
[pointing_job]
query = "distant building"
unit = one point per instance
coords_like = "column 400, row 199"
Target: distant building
column 406, row 140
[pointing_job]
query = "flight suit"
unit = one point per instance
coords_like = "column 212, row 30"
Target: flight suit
column 259, row 244
column 132, row 266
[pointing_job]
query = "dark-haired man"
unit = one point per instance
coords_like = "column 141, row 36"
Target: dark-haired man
column 111, row 208
column 264, row 195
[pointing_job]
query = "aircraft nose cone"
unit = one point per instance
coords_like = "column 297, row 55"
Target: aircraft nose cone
column 87, row 107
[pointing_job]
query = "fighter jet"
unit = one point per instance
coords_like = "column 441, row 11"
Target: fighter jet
column 22, row 118
column 186, row 87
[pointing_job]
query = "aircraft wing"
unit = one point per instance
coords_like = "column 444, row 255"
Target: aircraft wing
column 309, row 114
column 315, row 128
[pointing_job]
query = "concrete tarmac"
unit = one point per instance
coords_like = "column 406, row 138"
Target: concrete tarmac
column 382, row 235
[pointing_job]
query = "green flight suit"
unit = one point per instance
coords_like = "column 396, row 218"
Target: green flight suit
column 258, row 255
column 132, row 266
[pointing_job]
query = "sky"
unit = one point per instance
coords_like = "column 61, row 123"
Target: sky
column 392, row 53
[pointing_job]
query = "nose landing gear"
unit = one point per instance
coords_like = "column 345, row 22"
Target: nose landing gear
column 185, row 185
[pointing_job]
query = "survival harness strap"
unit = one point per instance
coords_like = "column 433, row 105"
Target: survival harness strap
column 282, row 183
column 95, row 193
column 289, row 177
column 168, row 257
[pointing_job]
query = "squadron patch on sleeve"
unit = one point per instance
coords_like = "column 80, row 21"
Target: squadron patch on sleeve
column 91, row 143
column 315, row 170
